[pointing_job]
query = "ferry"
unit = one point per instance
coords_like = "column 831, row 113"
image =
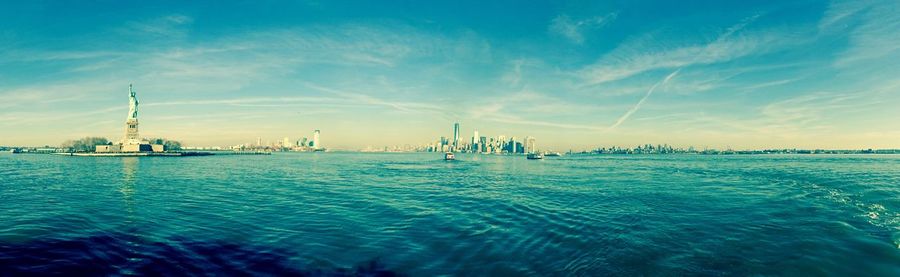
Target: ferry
column 449, row 156
column 553, row 154
column 535, row 156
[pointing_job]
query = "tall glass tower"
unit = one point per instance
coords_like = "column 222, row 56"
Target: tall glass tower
column 474, row 144
column 455, row 136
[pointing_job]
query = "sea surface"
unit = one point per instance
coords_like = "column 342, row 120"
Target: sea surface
column 417, row 215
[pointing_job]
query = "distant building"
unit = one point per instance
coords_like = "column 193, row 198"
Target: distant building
column 302, row 142
column 474, row 142
column 106, row 148
column 482, row 142
column 455, row 136
column 530, row 146
column 316, row 143
column 157, row 147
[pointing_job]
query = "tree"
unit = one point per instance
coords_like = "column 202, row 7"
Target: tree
column 170, row 145
column 86, row 144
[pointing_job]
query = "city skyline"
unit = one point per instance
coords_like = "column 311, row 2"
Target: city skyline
column 812, row 75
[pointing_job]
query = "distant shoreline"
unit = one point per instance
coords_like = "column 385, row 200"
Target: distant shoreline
column 57, row 151
column 142, row 154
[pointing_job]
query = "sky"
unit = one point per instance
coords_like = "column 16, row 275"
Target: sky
column 573, row 74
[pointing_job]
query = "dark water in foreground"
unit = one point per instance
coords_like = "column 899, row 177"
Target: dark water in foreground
column 414, row 214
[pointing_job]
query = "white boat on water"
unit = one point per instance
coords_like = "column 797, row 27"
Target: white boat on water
column 449, row 156
column 534, row 156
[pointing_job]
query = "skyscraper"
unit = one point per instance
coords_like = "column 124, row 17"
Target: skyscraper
column 474, row 144
column 482, row 142
column 455, row 136
column 530, row 146
column 316, row 143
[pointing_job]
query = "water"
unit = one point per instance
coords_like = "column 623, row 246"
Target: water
column 415, row 214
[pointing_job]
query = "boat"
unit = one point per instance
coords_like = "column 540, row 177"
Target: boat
column 553, row 154
column 534, row 156
column 449, row 156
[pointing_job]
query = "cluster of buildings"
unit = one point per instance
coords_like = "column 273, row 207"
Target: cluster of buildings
column 482, row 144
column 286, row 144
column 643, row 149
column 667, row 149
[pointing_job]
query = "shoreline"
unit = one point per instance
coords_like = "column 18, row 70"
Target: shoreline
column 155, row 154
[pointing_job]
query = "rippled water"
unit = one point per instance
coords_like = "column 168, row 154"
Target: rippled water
column 415, row 214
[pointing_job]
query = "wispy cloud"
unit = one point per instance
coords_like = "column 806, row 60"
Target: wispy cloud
column 646, row 54
column 402, row 106
column 26, row 118
column 841, row 11
column 258, row 101
column 42, row 95
column 726, row 80
column 873, row 33
column 514, row 77
column 170, row 26
column 574, row 29
column 510, row 119
column 812, row 113
column 792, row 119
column 531, row 108
column 232, row 62
column 769, row 84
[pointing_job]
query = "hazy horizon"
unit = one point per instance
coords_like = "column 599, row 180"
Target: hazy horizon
column 794, row 74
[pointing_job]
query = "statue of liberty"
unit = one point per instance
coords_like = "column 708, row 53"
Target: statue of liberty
column 133, row 103
column 131, row 124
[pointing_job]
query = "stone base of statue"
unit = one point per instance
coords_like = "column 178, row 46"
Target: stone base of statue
column 131, row 132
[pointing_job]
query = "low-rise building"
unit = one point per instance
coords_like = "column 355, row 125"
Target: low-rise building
column 108, row 148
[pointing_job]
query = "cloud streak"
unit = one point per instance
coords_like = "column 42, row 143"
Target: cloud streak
column 641, row 102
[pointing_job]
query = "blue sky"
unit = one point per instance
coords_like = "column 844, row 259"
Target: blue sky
column 575, row 75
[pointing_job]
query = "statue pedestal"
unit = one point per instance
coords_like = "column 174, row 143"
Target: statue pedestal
column 131, row 132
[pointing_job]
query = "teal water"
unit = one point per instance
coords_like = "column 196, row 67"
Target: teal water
column 415, row 214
